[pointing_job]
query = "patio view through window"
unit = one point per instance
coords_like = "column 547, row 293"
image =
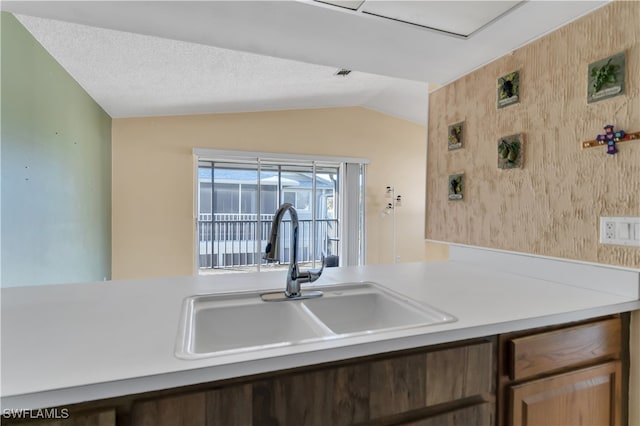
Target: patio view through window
column 237, row 202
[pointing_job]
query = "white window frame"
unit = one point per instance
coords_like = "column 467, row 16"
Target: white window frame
column 352, row 247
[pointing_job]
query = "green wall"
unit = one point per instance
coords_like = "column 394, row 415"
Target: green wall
column 56, row 169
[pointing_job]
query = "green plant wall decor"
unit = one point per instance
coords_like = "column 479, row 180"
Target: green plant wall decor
column 456, row 187
column 606, row 78
column 510, row 151
column 455, row 136
column 509, row 89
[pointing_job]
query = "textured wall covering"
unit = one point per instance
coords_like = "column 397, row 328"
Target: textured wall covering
column 552, row 205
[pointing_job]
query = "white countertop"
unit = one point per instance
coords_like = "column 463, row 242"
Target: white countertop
column 63, row 344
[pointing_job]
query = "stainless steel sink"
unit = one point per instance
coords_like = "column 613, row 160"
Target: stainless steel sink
column 214, row 325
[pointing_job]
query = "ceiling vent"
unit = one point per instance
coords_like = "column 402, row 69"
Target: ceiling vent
column 343, row 72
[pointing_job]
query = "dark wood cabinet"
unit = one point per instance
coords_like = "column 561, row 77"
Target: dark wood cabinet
column 569, row 375
column 226, row 406
column 429, row 386
column 474, row 415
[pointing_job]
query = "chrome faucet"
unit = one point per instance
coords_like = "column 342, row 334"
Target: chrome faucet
column 295, row 277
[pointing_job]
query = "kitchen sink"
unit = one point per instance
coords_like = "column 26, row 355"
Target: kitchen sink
column 231, row 323
column 367, row 308
column 215, row 325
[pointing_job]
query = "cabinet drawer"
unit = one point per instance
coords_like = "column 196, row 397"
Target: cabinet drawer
column 567, row 347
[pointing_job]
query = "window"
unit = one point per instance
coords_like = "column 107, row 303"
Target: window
column 239, row 195
column 300, row 199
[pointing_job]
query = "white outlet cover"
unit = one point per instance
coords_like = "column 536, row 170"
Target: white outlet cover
column 624, row 231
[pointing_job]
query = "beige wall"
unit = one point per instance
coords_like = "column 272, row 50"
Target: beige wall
column 551, row 206
column 153, row 177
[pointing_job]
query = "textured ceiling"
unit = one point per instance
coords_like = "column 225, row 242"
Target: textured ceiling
column 169, row 57
column 133, row 75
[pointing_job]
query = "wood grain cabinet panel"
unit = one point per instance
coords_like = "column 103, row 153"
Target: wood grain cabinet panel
column 460, row 372
column 475, row 415
column 590, row 396
column 380, row 390
column 432, row 378
column 565, row 375
column 446, row 385
column 185, row 410
column 337, row 396
column 225, row 406
column 398, row 385
column 553, row 350
column 229, row 406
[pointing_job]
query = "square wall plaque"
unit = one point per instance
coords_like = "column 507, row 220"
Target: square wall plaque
column 455, row 136
column 606, row 78
column 456, row 187
column 510, row 151
column 509, row 89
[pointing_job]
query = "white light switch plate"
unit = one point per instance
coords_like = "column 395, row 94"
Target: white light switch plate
column 624, row 231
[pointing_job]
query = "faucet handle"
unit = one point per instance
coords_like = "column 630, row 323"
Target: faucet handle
column 311, row 275
column 314, row 274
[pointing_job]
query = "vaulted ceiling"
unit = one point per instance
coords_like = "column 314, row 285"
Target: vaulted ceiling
column 141, row 58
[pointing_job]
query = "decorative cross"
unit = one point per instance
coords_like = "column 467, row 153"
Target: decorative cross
column 611, row 137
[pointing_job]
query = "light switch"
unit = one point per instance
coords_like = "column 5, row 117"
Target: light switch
column 623, row 231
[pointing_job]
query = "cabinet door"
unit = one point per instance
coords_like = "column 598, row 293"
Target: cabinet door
column 333, row 396
column 462, row 372
column 227, row 406
column 590, row 396
column 386, row 390
column 475, row 415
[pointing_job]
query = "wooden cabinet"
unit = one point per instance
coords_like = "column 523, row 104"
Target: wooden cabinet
column 452, row 385
column 553, row 350
column 474, row 415
column 227, row 406
column 586, row 396
column 570, row 375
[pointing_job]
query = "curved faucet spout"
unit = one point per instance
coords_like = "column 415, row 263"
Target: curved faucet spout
column 295, row 277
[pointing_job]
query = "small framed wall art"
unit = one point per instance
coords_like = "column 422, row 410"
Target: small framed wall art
column 455, row 136
column 606, row 78
column 456, row 187
column 509, row 89
column 510, row 151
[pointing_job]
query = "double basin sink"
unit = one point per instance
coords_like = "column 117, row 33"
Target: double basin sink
column 215, row 325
